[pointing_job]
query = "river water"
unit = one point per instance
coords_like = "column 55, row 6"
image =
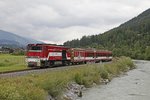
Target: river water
column 134, row 85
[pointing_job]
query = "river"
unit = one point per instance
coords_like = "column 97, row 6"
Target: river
column 134, row 85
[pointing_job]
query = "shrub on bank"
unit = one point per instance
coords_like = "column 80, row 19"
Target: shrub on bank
column 38, row 86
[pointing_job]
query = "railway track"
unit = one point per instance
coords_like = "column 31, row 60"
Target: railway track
column 39, row 70
column 33, row 71
column 17, row 72
column 6, row 72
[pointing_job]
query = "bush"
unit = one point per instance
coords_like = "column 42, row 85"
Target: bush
column 78, row 78
column 104, row 73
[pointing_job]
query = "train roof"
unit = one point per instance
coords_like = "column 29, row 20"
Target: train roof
column 54, row 45
column 92, row 50
column 81, row 49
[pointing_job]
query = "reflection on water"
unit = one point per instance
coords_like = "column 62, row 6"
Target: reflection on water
column 135, row 85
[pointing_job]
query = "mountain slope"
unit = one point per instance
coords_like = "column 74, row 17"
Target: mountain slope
column 130, row 39
column 13, row 40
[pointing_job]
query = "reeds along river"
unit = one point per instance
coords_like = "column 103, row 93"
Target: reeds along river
column 134, row 85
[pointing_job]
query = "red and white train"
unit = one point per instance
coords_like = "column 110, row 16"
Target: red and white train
column 47, row 55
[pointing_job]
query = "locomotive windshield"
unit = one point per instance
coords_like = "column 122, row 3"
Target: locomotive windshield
column 35, row 48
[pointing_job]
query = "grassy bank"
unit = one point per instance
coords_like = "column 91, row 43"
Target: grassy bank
column 37, row 87
column 11, row 62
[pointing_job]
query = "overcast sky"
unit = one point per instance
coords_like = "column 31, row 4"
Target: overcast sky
column 56, row 21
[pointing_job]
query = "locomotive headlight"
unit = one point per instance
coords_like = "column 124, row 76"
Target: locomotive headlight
column 34, row 60
column 38, row 61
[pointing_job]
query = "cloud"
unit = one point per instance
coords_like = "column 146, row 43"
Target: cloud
column 57, row 21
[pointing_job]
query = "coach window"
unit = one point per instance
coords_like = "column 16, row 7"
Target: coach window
column 90, row 55
column 98, row 55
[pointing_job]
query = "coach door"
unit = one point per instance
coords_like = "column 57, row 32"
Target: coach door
column 64, row 55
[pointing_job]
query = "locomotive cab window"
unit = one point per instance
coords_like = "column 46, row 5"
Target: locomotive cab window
column 35, row 48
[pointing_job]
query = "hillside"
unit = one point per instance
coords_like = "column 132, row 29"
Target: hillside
column 129, row 39
column 13, row 40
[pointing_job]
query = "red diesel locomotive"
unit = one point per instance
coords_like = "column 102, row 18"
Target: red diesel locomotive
column 46, row 55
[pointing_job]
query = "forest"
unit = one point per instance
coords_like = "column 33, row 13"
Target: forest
column 131, row 38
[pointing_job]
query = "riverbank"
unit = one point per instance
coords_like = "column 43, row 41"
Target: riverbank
column 133, row 85
column 60, row 84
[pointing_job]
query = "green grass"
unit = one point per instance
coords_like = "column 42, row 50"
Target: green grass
column 11, row 62
column 38, row 86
